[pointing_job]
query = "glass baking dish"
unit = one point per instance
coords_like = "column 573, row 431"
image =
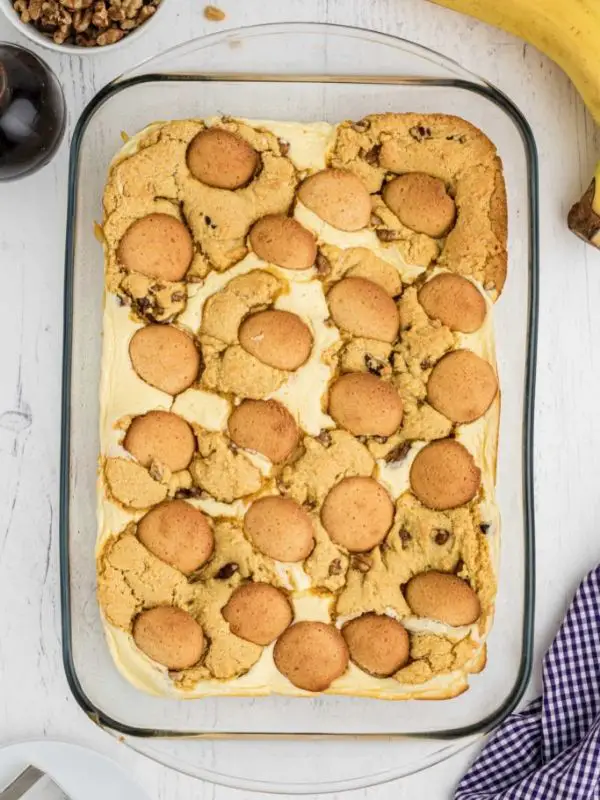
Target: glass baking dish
column 296, row 72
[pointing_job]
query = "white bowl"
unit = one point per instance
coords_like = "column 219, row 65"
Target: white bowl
column 34, row 35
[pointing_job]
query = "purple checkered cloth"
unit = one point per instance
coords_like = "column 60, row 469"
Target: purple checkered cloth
column 551, row 749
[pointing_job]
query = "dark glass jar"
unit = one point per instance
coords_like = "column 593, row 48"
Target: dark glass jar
column 32, row 112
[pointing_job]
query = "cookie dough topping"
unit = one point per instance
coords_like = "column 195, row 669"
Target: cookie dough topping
column 357, row 514
column 160, row 437
column 131, row 485
column 158, row 246
column 378, row 644
column 443, row 597
column 455, row 301
column 178, row 534
column 222, row 159
column 462, row 386
column 165, row 357
column 362, row 308
column 169, row 636
column 365, row 405
column 444, row 475
column 279, row 528
column 283, row 241
column 279, row 339
column 311, row 655
column 338, row 197
column 258, row 613
column 265, row 426
column 421, row 202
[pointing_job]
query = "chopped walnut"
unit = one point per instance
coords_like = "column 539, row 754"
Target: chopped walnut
column 214, row 14
column 399, row 453
column 322, row 264
column 360, row 563
column 85, row 23
column 420, row 132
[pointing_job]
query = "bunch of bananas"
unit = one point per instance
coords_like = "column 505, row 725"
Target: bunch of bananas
column 568, row 32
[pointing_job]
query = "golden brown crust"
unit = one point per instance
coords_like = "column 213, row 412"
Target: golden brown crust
column 453, row 150
column 348, row 579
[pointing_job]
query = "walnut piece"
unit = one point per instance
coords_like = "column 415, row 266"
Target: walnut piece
column 85, row 23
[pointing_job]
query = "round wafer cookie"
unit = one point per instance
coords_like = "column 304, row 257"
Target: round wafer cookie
column 158, row 246
column 311, row 655
column 170, row 636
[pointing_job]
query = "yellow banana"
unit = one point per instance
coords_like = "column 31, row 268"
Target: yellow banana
column 568, row 32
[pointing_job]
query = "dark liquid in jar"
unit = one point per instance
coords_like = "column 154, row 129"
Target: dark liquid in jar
column 32, row 113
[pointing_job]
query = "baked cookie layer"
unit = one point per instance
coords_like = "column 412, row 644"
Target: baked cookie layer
column 299, row 364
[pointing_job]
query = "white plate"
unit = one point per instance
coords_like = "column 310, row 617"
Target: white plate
column 82, row 774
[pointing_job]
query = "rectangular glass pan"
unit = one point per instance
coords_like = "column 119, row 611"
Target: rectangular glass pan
column 304, row 73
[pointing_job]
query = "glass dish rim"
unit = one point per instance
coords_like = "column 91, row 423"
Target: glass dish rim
column 477, row 85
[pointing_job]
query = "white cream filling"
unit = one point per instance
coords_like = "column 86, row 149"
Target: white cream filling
column 123, row 393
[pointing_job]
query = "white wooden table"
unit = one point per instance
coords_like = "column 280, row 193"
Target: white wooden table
column 34, row 698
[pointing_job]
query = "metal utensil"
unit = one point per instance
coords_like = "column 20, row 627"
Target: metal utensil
column 33, row 784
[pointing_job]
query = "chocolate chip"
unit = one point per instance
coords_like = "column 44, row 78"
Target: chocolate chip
column 459, row 566
column 142, row 305
column 182, row 494
column 322, row 264
column 361, row 126
column 177, row 297
column 457, row 137
column 335, row 568
column 441, row 537
column 399, row 453
column 324, row 437
column 284, row 147
column 386, row 235
column 485, row 526
column 420, row 132
column 309, row 505
column 120, row 300
column 371, row 156
column 374, row 365
column 227, row 571
column 405, row 538
column 426, row 364
column 361, row 564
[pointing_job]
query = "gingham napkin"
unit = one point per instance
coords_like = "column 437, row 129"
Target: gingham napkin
column 551, row 750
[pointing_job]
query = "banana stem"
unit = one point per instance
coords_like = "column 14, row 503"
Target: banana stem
column 584, row 217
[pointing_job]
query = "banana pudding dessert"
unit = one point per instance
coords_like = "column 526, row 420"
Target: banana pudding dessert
column 300, row 406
